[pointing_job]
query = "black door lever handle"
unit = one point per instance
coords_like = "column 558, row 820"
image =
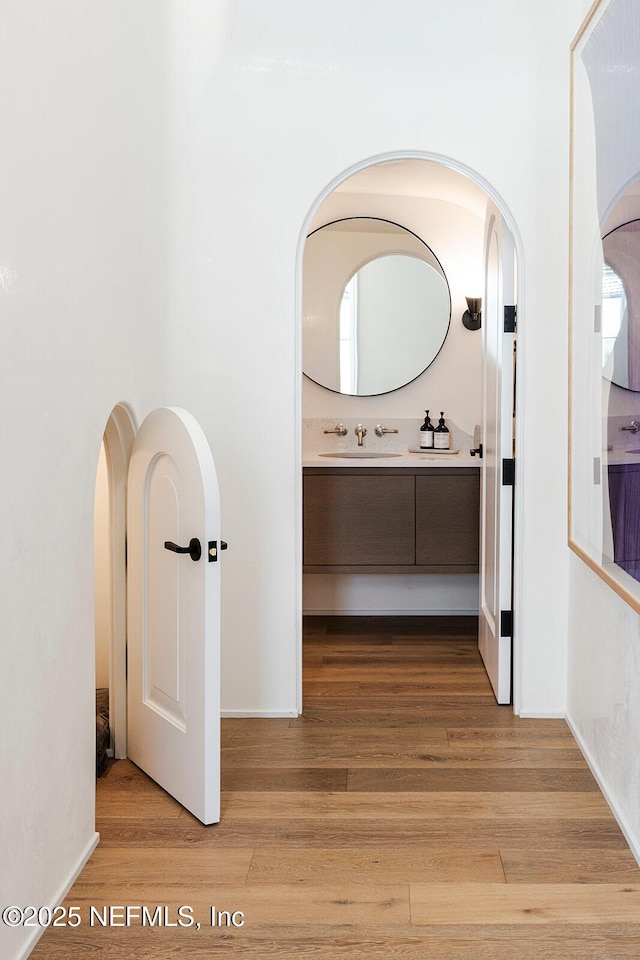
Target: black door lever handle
column 194, row 549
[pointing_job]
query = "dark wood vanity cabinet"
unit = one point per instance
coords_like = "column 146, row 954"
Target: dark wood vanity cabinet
column 391, row 520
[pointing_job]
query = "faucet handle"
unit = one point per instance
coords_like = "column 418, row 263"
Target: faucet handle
column 381, row 430
column 360, row 433
column 339, row 429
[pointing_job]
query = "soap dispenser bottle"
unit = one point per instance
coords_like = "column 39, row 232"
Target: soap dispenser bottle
column 441, row 434
column 426, row 433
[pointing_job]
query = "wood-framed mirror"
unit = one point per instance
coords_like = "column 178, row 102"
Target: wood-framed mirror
column 604, row 355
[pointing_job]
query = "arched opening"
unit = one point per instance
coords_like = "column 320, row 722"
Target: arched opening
column 413, row 189
column 110, row 528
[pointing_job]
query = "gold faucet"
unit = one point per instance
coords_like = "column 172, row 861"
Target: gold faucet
column 360, row 433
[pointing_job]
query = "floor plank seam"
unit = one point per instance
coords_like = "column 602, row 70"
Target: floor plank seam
column 251, row 860
column 504, row 872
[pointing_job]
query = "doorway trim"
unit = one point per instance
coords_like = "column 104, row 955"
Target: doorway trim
column 118, row 437
column 519, row 446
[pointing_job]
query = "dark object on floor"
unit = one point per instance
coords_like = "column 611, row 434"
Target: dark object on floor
column 102, row 729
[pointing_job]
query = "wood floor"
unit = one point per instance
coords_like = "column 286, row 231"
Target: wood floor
column 404, row 816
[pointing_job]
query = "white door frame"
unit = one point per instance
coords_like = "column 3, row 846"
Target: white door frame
column 496, row 522
column 518, row 504
column 118, row 438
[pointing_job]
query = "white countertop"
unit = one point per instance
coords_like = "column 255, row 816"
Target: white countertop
column 318, row 438
column 617, row 456
column 427, row 459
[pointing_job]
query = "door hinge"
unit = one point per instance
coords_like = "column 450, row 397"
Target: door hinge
column 506, row 623
column 508, row 472
column 509, row 319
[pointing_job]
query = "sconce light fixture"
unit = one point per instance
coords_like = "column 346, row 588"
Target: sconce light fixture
column 471, row 317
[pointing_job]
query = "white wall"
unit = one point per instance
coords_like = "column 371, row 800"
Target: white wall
column 604, row 691
column 162, row 161
column 86, row 271
column 392, row 594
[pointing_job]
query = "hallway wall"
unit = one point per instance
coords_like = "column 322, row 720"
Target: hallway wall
column 86, row 272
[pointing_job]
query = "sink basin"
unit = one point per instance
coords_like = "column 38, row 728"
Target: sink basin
column 359, row 455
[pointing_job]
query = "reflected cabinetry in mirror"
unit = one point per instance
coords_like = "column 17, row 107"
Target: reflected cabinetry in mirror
column 620, row 323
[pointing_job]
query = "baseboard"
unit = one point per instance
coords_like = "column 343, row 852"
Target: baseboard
column 63, row 890
column 541, row 715
column 595, row 770
column 390, row 613
column 264, row 714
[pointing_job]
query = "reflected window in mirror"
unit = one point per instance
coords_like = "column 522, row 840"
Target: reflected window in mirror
column 621, row 304
column 614, row 308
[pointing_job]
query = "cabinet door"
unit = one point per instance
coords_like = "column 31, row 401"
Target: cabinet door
column 447, row 520
column 359, row 520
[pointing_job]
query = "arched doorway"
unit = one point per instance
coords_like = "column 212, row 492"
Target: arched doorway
column 392, row 187
column 110, row 524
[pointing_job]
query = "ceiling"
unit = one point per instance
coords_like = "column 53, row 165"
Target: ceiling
column 418, row 178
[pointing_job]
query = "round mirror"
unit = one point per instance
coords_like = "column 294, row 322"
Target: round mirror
column 376, row 306
column 620, row 304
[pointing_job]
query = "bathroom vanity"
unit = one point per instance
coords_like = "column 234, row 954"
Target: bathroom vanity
column 409, row 518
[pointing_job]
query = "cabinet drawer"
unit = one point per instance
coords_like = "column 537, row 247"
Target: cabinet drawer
column 447, row 527
column 363, row 520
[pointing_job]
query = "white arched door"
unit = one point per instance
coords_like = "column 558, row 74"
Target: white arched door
column 495, row 635
column 174, row 611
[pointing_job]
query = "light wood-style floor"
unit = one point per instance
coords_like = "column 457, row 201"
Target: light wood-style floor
column 404, row 816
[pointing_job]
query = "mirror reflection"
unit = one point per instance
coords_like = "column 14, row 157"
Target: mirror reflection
column 621, row 367
column 621, row 305
column 376, row 306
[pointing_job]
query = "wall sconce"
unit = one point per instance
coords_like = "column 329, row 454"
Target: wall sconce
column 471, row 317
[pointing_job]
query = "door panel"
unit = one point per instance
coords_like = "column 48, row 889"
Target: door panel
column 163, row 634
column 174, row 612
column 497, row 438
column 364, row 519
column 447, row 508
